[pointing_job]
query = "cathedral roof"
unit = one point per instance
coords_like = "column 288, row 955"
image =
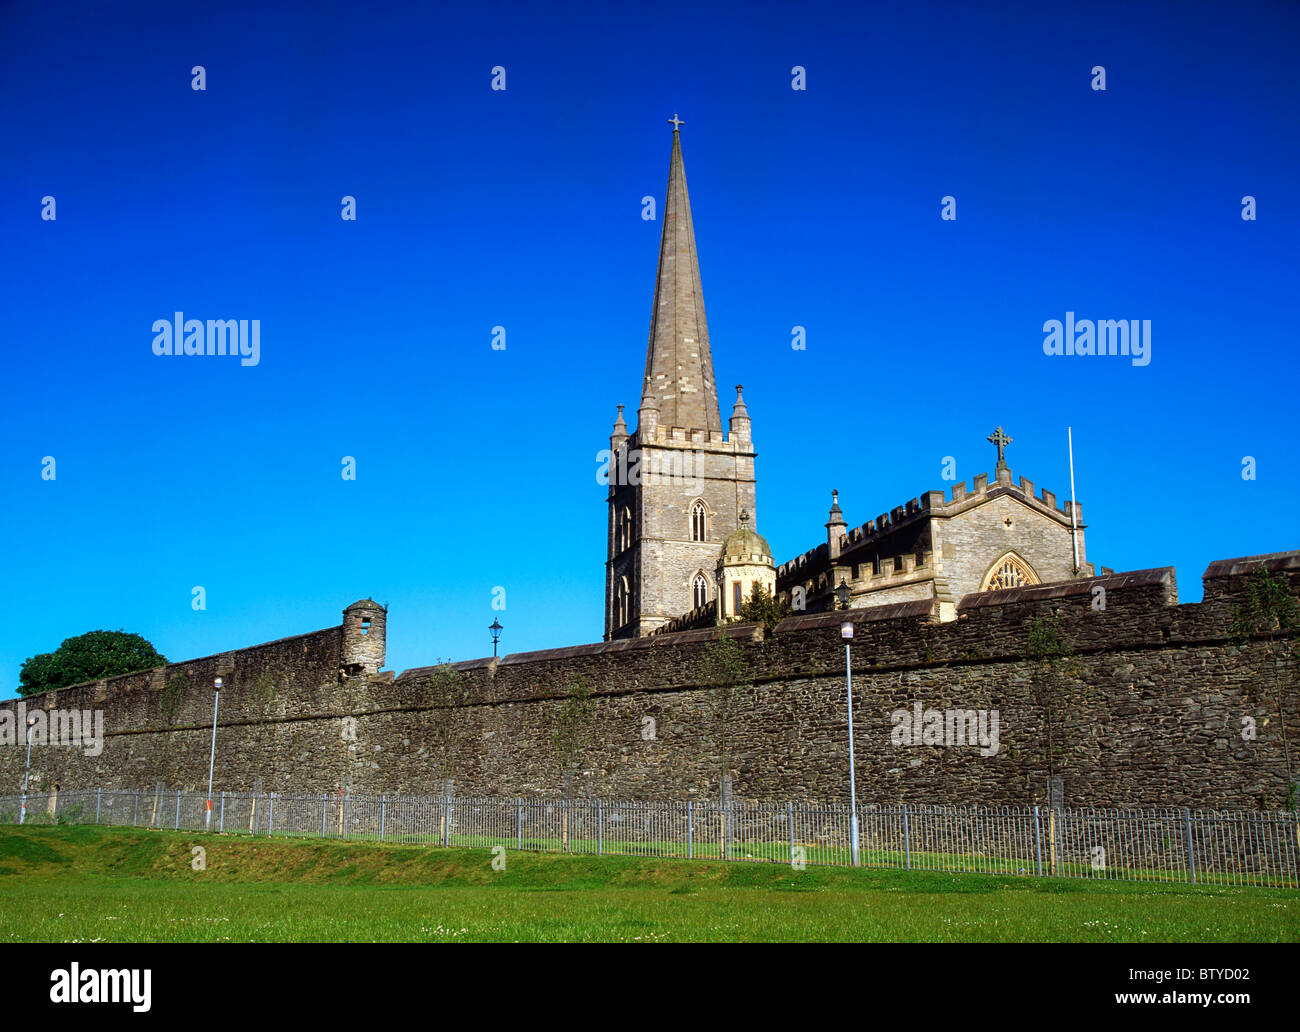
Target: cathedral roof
column 679, row 365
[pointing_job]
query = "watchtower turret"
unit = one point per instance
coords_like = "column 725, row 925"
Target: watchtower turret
column 363, row 638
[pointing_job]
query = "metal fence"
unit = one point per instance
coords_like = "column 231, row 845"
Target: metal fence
column 1160, row 845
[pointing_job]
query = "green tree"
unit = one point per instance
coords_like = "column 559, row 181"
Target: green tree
column 88, row 657
column 1270, row 615
column 762, row 608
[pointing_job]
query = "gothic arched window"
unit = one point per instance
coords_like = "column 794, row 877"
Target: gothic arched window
column 623, row 533
column 699, row 526
column 700, row 590
column 1009, row 572
column 621, row 602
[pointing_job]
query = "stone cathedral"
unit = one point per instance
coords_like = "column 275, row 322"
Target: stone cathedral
column 684, row 547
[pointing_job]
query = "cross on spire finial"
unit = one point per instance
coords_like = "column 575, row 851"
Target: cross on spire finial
column 676, row 123
column 1000, row 441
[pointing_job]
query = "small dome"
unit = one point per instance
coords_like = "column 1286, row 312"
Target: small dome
column 744, row 542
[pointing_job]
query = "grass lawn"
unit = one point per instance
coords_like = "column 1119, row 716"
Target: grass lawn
column 93, row 883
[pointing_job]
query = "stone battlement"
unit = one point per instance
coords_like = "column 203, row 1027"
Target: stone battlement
column 812, row 559
column 684, row 437
column 928, row 504
column 701, row 616
column 936, row 503
column 1045, row 499
column 893, row 569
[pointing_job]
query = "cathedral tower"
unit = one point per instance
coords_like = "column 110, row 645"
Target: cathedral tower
column 678, row 483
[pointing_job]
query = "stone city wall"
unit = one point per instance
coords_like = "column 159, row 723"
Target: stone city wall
column 1148, row 707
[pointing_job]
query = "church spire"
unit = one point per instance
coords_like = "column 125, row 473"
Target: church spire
column 679, row 365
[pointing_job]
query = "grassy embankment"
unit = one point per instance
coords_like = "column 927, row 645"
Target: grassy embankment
column 88, row 883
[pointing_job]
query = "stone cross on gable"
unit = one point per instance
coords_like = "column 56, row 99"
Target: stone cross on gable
column 1000, row 440
column 676, row 123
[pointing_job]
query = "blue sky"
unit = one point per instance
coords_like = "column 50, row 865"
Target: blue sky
column 522, row 208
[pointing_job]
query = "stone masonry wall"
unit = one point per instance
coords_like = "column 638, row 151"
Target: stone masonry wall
column 973, row 540
column 1151, row 710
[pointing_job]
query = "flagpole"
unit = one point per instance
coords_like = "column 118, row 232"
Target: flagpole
column 1074, row 534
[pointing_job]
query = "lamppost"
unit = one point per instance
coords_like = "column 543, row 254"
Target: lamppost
column 844, row 593
column 212, row 756
column 22, row 813
column 496, row 630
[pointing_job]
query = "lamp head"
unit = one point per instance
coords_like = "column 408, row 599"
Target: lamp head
column 844, row 593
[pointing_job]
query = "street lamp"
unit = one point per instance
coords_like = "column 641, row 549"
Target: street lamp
column 22, row 813
column 212, row 756
column 846, row 632
column 844, row 593
column 496, row 630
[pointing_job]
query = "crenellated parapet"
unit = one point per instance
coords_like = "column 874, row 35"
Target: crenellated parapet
column 808, row 561
column 937, row 503
column 700, row 616
column 660, row 436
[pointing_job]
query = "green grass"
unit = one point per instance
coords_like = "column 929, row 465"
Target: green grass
column 88, row 883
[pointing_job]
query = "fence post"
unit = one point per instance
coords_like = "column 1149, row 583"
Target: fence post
column 907, row 839
column 1191, row 852
column 383, row 815
column 98, row 794
column 178, row 810
column 519, row 823
column 1051, row 835
column 724, row 820
column 324, row 811
column 446, row 817
column 1038, row 845
column 221, row 826
column 1296, row 829
column 270, row 814
column 136, row 812
column 789, row 811
column 600, row 828
column 690, row 831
